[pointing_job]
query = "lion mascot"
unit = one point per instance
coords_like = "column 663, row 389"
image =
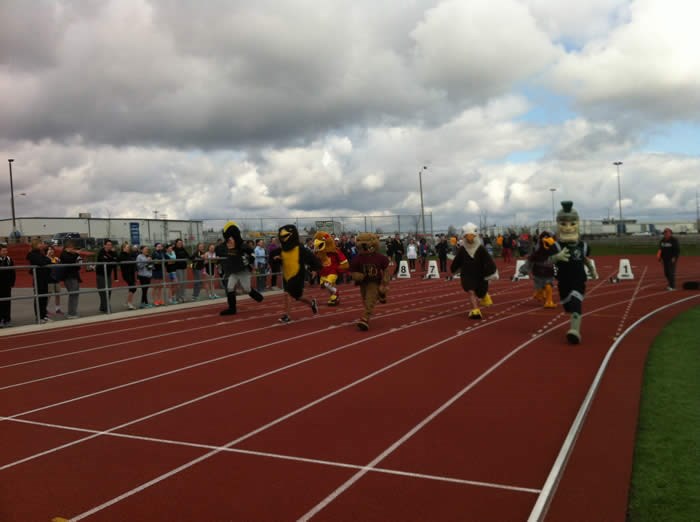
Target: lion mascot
column 294, row 258
column 236, row 260
column 333, row 262
column 369, row 270
column 541, row 266
column 571, row 262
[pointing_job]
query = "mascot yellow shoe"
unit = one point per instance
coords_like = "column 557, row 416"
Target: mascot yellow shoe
column 486, row 300
column 548, row 302
column 475, row 314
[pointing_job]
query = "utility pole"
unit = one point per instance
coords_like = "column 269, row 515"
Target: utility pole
column 619, row 196
column 420, row 183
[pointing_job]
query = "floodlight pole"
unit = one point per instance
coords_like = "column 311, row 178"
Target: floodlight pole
column 619, row 196
column 422, row 211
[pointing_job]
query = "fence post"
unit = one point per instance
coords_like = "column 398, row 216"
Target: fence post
column 165, row 284
column 36, row 296
column 107, row 293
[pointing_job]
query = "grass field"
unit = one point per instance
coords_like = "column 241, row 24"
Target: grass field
column 690, row 246
column 666, row 475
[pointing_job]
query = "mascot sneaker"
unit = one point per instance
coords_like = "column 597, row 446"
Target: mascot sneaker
column 475, row 314
column 363, row 325
column 574, row 333
column 486, row 300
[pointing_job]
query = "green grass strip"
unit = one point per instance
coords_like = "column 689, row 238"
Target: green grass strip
column 666, row 473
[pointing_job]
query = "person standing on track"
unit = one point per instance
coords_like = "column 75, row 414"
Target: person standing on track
column 669, row 250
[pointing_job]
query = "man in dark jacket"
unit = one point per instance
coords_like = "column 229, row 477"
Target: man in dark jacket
column 182, row 256
column 396, row 248
column 668, row 253
column 7, row 281
column 442, row 248
column 71, row 276
column 105, row 272
column 40, row 262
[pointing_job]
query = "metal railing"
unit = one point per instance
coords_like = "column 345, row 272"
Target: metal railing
column 110, row 272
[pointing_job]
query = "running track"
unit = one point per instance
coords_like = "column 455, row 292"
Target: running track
column 183, row 415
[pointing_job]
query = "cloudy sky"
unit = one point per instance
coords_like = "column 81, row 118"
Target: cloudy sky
column 228, row 108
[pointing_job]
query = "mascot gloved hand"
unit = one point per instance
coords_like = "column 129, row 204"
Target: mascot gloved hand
column 562, row 256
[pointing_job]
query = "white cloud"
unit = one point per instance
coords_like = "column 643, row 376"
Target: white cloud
column 479, row 48
column 228, row 109
column 649, row 66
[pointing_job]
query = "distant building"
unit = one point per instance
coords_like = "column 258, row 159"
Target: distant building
column 135, row 230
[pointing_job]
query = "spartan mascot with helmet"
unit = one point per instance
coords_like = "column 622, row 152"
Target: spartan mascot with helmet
column 333, row 261
column 370, row 270
column 571, row 264
column 236, row 259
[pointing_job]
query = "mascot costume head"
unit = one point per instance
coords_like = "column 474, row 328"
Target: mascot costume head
column 568, row 223
column 545, row 241
column 471, row 242
column 367, row 243
column 324, row 244
column 231, row 231
column 289, row 237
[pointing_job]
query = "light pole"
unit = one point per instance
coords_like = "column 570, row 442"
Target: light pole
column 554, row 219
column 12, row 201
column 619, row 196
column 420, row 184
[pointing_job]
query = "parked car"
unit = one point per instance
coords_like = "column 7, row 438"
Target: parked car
column 60, row 239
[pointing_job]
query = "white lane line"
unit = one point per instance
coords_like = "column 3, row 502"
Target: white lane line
column 371, row 465
column 185, row 330
column 364, row 469
column 258, row 430
column 145, row 379
column 165, row 350
column 279, row 456
column 539, row 511
column 163, row 314
column 241, row 383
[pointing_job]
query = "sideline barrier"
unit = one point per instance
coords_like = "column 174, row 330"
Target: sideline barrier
column 625, row 270
column 404, row 272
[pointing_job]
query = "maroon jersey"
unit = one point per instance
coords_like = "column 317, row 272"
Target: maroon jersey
column 372, row 265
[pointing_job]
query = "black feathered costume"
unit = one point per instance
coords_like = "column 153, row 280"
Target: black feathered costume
column 236, row 260
column 295, row 258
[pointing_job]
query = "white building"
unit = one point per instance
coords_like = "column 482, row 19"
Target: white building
column 138, row 231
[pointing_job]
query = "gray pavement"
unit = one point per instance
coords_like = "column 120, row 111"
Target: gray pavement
column 23, row 319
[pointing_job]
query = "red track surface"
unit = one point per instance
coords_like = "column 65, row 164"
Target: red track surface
column 186, row 416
